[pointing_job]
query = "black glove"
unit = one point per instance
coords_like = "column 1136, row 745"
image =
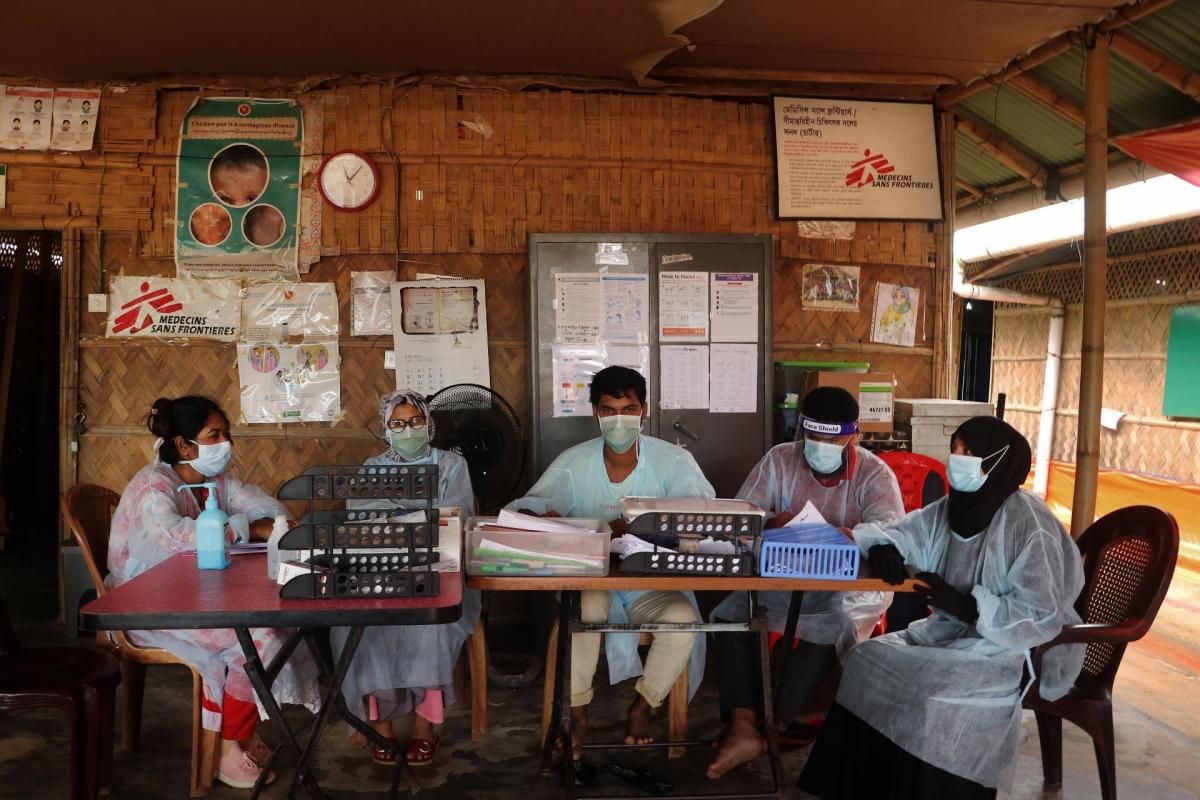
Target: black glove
column 944, row 596
column 887, row 564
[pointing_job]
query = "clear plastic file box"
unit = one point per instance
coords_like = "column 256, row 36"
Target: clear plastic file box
column 818, row 550
column 574, row 547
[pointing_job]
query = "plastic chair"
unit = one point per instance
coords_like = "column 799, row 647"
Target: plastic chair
column 922, row 481
column 78, row 681
column 1128, row 558
column 914, row 472
column 88, row 510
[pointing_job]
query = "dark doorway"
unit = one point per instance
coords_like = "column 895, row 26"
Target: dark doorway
column 30, row 281
column 975, row 359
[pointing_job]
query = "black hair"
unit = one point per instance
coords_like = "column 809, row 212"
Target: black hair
column 615, row 382
column 239, row 156
column 183, row 416
column 830, row 404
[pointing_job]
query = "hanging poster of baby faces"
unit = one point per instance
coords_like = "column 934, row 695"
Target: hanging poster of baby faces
column 290, row 383
column 238, row 191
column 895, row 318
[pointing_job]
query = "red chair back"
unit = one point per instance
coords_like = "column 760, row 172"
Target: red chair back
column 1128, row 559
column 912, row 472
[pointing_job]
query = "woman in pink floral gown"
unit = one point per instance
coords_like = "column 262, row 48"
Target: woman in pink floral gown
column 155, row 521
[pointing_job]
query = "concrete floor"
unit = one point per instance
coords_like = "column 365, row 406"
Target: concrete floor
column 1157, row 728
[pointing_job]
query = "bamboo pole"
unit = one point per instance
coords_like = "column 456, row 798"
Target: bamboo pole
column 945, row 350
column 801, row 76
column 1034, row 89
column 1095, row 247
column 1005, row 152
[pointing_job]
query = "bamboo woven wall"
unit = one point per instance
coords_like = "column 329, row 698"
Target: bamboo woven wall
column 465, row 203
column 1134, row 370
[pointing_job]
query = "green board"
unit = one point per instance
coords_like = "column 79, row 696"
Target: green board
column 1181, row 397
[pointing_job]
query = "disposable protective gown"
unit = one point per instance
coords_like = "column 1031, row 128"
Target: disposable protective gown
column 153, row 522
column 782, row 481
column 949, row 692
column 576, row 484
column 414, row 657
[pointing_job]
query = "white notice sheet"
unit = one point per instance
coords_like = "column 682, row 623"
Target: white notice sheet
column 625, row 313
column 734, row 376
column 577, row 308
column 683, row 306
column 684, row 369
column 734, row 307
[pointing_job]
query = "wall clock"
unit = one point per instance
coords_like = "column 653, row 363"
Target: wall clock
column 348, row 180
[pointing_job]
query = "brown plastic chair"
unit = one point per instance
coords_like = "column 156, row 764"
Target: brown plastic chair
column 88, row 510
column 78, row 681
column 1128, row 560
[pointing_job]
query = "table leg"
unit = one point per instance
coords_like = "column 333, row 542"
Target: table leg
column 779, row 662
column 261, row 681
column 335, row 675
column 568, row 620
column 758, row 622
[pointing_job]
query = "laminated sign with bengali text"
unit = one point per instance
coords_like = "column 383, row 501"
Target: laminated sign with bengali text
column 238, row 190
column 170, row 308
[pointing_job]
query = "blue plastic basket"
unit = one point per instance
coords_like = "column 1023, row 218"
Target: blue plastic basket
column 808, row 551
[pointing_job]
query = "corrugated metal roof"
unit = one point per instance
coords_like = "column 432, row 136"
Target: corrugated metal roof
column 1138, row 100
column 1028, row 124
column 976, row 167
column 1174, row 31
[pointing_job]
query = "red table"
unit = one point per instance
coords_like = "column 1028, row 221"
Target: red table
column 177, row 595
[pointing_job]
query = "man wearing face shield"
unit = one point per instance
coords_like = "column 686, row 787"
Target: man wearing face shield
column 848, row 486
column 589, row 480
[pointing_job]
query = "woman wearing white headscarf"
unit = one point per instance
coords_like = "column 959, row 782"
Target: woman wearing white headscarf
column 935, row 710
column 404, row 669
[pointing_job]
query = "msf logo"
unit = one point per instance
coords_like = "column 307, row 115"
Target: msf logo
column 864, row 172
column 161, row 300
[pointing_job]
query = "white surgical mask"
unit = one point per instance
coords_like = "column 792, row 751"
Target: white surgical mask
column 213, row 458
column 620, row 431
column 824, row 457
column 410, row 442
column 965, row 473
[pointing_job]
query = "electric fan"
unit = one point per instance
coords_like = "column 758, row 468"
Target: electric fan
column 482, row 427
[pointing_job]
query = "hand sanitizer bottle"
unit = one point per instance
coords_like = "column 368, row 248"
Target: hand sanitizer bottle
column 211, row 545
column 273, row 553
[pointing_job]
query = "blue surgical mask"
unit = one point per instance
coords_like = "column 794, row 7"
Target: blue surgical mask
column 825, row 458
column 966, row 474
column 620, row 431
column 213, row 459
column 410, row 442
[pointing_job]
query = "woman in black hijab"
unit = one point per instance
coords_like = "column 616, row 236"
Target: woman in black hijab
column 935, row 710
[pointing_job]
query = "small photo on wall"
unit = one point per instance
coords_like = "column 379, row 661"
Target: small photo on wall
column 830, row 287
column 895, row 318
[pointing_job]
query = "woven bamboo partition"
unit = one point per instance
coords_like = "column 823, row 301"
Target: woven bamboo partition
column 554, row 161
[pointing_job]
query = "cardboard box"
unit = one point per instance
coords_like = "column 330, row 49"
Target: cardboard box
column 874, row 391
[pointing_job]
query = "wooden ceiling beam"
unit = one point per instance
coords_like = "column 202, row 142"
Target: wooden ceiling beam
column 1163, row 67
column 970, row 189
column 1120, row 17
column 1039, row 92
column 800, row 76
column 1005, row 152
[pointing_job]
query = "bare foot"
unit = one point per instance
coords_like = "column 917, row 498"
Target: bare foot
column 579, row 728
column 422, row 729
column 358, row 740
column 637, row 723
column 742, row 743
